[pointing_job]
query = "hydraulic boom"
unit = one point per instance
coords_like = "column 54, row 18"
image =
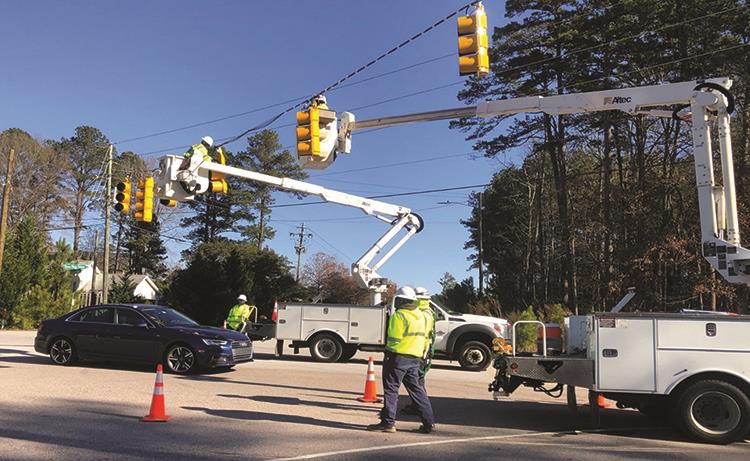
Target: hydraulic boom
column 709, row 103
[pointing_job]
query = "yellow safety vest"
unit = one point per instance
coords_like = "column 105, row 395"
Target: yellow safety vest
column 200, row 149
column 238, row 314
column 424, row 306
column 407, row 333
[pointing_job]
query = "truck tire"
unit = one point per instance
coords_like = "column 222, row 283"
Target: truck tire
column 714, row 411
column 326, row 347
column 474, row 356
column 350, row 351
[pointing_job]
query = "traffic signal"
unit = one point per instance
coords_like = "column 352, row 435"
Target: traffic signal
column 308, row 132
column 218, row 180
column 123, row 196
column 317, row 135
column 473, row 43
column 144, row 200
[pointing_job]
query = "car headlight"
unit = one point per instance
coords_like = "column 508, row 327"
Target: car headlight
column 215, row 342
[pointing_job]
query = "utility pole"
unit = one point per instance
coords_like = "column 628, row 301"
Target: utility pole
column 92, row 295
column 299, row 245
column 107, row 204
column 6, row 204
column 481, row 247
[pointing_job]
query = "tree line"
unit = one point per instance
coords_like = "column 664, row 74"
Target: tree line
column 58, row 185
column 591, row 204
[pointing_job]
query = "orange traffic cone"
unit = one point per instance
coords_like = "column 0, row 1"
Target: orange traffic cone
column 371, row 386
column 601, row 401
column 157, row 413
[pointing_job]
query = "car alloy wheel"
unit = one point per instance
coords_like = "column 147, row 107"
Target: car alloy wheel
column 61, row 351
column 180, row 359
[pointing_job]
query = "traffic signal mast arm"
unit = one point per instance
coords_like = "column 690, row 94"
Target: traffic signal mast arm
column 364, row 270
column 708, row 101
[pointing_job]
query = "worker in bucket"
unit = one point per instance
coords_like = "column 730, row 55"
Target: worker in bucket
column 405, row 348
column 198, row 153
column 423, row 305
column 239, row 314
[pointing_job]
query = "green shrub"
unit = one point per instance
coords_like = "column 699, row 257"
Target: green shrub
column 554, row 313
column 38, row 304
column 526, row 335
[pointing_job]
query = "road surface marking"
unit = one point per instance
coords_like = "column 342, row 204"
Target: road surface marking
column 461, row 440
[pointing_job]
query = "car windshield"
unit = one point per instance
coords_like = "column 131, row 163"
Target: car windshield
column 169, row 317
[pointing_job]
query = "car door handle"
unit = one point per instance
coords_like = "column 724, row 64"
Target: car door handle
column 115, row 337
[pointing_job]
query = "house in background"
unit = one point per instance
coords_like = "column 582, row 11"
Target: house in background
column 83, row 275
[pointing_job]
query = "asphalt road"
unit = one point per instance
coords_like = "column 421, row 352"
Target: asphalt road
column 292, row 408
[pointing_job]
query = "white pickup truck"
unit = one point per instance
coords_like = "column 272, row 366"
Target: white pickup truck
column 335, row 332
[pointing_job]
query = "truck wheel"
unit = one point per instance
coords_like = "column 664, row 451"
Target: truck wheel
column 349, row 352
column 326, row 347
column 474, row 356
column 714, row 411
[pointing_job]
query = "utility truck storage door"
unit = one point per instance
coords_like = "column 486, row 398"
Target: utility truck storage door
column 289, row 322
column 367, row 325
column 625, row 354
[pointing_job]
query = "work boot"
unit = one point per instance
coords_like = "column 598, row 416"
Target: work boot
column 381, row 427
column 426, row 428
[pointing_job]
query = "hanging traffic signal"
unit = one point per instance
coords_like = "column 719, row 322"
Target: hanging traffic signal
column 473, row 43
column 308, row 132
column 218, row 180
column 317, row 135
column 123, row 196
column 144, row 200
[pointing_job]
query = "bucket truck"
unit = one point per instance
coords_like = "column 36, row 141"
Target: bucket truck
column 691, row 367
column 335, row 332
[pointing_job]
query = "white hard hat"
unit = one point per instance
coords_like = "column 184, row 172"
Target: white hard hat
column 320, row 99
column 421, row 292
column 242, row 298
column 406, row 293
column 208, row 140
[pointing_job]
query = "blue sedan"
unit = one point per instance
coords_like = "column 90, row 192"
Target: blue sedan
column 140, row 333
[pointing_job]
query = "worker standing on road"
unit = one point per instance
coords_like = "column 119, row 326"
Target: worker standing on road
column 239, row 315
column 423, row 305
column 405, row 347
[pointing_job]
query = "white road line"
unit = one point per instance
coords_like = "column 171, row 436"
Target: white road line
column 461, row 440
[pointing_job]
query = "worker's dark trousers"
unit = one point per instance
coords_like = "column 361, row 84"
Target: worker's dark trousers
column 399, row 369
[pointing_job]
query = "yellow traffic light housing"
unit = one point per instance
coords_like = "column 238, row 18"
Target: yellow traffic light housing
column 308, row 132
column 473, row 43
column 123, row 196
column 144, row 200
column 219, row 180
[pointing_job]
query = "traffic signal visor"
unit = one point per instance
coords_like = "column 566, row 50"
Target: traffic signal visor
column 473, row 43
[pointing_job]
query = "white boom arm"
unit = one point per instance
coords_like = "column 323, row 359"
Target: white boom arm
column 709, row 101
column 364, row 271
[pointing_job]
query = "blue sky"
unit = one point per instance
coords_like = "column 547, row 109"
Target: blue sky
column 139, row 67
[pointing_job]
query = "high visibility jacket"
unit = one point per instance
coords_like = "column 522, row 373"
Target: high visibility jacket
column 238, row 314
column 407, row 332
column 199, row 149
column 424, row 307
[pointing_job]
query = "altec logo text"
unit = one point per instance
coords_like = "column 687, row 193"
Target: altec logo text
column 617, row 99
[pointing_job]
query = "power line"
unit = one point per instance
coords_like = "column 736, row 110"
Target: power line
column 401, row 194
column 355, row 72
